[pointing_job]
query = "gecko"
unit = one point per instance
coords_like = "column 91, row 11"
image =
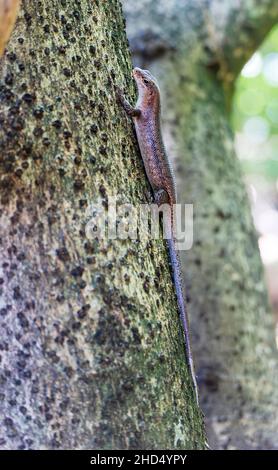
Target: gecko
column 146, row 118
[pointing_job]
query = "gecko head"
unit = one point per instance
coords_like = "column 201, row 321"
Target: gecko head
column 146, row 83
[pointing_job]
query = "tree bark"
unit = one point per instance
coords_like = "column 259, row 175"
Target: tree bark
column 92, row 352
column 195, row 49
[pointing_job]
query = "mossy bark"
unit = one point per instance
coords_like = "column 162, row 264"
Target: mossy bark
column 195, row 49
column 91, row 348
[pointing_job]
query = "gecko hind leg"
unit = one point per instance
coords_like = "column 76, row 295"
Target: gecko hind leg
column 161, row 197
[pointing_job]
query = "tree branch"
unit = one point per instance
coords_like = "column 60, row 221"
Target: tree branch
column 222, row 33
column 235, row 31
column 8, row 14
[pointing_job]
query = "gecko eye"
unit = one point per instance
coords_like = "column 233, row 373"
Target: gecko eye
column 146, row 81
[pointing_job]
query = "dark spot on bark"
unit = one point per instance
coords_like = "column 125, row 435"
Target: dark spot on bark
column 77, row 271
column 63, row 254
column 222, row 215
column 82, row 202
column 38, row 112
column 76, row 14
column 102, row 150
column 94, row 128
column 57, row 124
column 38, row 132
column 78, row 185
column 18, row 123
column 67, row 72
column 55, row 443
column 21, row 364
column 17, row 293
column 18, row 172
column 67, row 134
column 24, row 323
column 69, row 371
column 3, row 312
column 8, row 422
column 82, row 284
column 27, row 374
column 46, row 141
column 11, row 56
column 83, row 311
column 97, row 64
column 28, row 98
column 77, row 160
column 9, row 79
column 146, row 286
column 62, row 49
column 64, row 404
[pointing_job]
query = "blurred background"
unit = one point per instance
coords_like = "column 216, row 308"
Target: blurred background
column 255, row 121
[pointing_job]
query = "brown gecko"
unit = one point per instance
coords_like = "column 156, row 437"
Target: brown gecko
column 146, row 117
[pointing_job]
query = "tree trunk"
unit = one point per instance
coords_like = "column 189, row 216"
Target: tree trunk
column 196, row 49
column 92, row 352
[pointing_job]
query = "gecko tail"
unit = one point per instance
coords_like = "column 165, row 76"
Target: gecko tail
column 177, row 278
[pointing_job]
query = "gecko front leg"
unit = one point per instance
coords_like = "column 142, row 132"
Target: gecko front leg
column 129, row 109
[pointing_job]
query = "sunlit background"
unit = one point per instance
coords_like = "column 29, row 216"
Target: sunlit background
column 255, row 120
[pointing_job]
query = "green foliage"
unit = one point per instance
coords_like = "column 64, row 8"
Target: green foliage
column 255, row 111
